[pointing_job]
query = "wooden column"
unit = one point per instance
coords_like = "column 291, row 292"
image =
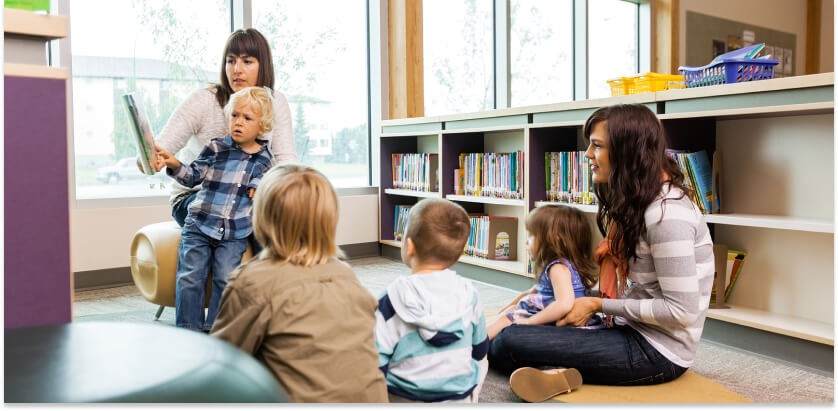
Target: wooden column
column 665, row 32
column 407, row 88
column 813, row 36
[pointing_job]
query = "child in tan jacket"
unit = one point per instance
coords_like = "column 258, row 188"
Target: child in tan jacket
column 295, row 306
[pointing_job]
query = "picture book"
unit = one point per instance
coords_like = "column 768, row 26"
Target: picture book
column 143, row 136
column 702, row 173
column 733, row 268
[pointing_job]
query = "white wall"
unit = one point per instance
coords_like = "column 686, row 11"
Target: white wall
column 100, row 237
column 782, row 15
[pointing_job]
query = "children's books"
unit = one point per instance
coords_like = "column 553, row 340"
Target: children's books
column 143, row 136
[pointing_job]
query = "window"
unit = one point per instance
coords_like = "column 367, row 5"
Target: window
column 458, row 60
column 612, row 43
column 163, row 50
column 320, row 57
column 541, row 51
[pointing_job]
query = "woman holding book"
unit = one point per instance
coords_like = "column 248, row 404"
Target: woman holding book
column 646, row 213
column 200, row 118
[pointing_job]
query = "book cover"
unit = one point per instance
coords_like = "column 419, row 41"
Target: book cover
column 501, row 238
column 733, row 268
column 143, row 136
column 702, row 174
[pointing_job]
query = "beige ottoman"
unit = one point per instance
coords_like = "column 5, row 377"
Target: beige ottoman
column 154, row 263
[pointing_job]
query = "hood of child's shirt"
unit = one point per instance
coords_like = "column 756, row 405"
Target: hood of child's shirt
column 439, row 304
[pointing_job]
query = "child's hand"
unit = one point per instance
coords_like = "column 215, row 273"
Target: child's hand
column 250, row 192
column 165, row 159
column 522, row 321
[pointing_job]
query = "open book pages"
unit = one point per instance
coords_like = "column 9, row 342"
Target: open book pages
column 143, row 136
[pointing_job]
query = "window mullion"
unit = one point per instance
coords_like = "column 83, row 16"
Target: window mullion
column 502, row 76
column 580, row 49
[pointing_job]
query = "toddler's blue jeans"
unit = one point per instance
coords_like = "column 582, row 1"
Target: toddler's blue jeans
column 608, row 356
column 181, row 210
column 197, row 254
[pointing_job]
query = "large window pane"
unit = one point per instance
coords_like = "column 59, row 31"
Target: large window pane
column 319, row 49
column 161, row 49
column 458, row 68
column 541, row 51
column 612, row 43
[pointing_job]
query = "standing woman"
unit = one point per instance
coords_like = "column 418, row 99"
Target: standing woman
column 200, row 118
column 646, row 212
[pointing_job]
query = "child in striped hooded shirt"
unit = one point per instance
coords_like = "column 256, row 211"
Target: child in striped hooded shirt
column 430, row 330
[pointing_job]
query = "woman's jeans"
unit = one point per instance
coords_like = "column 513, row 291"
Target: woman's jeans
column 181, row 210
column 197, row 254
column 608, row 356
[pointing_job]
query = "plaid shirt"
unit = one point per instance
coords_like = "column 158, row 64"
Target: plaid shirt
column 222, row 209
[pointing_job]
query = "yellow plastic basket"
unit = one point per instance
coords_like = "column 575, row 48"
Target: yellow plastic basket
column 645, row 83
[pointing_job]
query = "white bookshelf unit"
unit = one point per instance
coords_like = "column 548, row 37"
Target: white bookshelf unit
column 775, row 139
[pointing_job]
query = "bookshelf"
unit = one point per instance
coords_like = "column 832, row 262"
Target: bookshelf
column 776, row 140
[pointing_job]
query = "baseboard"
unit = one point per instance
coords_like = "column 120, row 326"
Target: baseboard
column 816, row 357
column 360, row 250
column 473, row 272
column 107, row 278
column 121, row 276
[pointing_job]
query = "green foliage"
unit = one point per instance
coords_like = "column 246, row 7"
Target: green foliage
column 349, row 145
column 301, row 137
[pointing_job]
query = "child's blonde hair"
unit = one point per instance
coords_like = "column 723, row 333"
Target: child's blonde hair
column 439, row 229
column 261, row 97
column 562, row 232
column 295, row 215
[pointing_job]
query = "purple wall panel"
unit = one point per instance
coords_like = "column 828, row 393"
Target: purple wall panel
column 37, row 222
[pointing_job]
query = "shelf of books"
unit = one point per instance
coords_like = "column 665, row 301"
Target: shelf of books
column 757, row 155
column 803, row 328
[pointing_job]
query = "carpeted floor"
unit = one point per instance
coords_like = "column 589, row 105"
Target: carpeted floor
column 757, row 378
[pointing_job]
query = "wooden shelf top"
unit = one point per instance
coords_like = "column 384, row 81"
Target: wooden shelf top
column 568, row 105
column 27, row 23
column 33, row 70
column 486, row 200
column 775, row 222
column 412, row 193
column 797, row 327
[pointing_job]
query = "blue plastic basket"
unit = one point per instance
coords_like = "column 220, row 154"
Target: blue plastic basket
column 728, row 71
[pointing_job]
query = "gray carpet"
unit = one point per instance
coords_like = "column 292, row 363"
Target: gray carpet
column 757, row 378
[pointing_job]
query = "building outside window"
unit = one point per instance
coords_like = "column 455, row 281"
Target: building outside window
column 163, row 51
column 320, row 57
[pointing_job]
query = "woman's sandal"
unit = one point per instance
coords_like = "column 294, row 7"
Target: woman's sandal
column 534, row 385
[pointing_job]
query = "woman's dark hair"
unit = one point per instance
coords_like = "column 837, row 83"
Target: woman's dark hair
column 562, row 232
column 252, row 43
column 637, row 154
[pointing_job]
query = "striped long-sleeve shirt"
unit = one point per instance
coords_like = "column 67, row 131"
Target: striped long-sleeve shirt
column 671, row 279
column 431, row 334
column 222, row 209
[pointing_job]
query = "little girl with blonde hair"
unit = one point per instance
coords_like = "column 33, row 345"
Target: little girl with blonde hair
column 295, row 306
